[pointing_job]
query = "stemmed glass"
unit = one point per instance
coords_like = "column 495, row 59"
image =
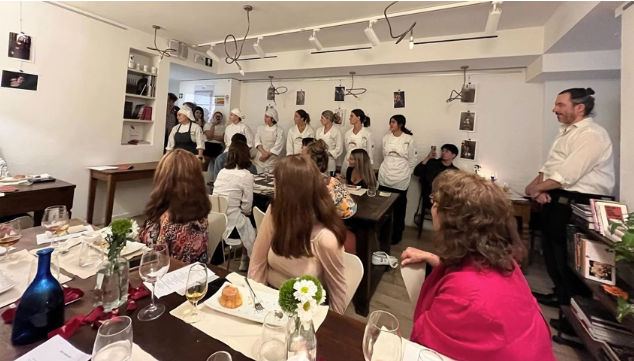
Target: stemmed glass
column 382, row 338
column 114, row 340
column 9, row 236
column 427, row 354
column 219, row 356
column 155, row 263
column 56, row 220
column 273, row 339
column 195, row 290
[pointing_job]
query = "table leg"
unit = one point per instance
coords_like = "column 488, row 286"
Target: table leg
column 92, row 192
column 361, row 298
column 111, row 186
column 37, row 217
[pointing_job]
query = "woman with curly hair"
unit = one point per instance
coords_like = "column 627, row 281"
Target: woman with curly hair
column 476, row 304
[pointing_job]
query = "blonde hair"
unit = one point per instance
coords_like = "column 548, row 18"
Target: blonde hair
column 364, row 167
column 329, row 115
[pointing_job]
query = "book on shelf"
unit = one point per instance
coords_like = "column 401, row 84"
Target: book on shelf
column 146, row 113
column 594, row 260
column 581, row 222
column 604, row 214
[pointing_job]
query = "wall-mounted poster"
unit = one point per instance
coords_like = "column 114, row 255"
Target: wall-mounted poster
column 339, row 93
column 399, row 99
column 270, row 93
column 340, row 116
column 219, row 100
column 301, row 97
column 468, row 149
column 467, row 121
column 18, row 80
column 20, row 47
column 468, row 94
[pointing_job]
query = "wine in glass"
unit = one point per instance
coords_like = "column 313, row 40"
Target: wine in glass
column 155, row 263
column 10, row 235
column 382, row 338
column 56, row 220
column 195, row 290
column 114, row 340
column 273, row 339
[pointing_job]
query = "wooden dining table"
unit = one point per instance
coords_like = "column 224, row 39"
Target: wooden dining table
column 36, row 198
column 170, row 339
column 372, row 225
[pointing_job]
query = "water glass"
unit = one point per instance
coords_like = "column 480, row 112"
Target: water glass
column 273, row 339
column 195, row 290
column 114, row 340
column 155, row 262
column 90, row 254
column 10, row 235
column 427, row 354
column 219, row 356
column 55, row 269
column 382, row 338
column 372, row 191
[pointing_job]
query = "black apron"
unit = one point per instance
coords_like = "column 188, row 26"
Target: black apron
column 184, row 140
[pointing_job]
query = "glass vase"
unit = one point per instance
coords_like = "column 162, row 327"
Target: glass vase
column 111, row 287
column 301, row 339
column 41, row 308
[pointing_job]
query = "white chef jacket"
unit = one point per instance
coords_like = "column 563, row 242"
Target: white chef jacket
column 361, row 140
column 196, row 134
column 399, row 159
column 237, row 185
column 294, row 139
column 334, row 141
column 272, row 140
column 241, row 128
column 220, row 130
column 581, row 159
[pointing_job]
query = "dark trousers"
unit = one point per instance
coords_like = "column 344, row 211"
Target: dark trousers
column 555, row 215
column 400, row 208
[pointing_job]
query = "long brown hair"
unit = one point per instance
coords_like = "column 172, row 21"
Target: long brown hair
column 364, row 167
column 476, row 222
column 238, row 156
column 318, row 152
column 179, row 187
column 301, row 201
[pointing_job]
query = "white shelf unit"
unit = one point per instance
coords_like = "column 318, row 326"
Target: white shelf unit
column 141, row 130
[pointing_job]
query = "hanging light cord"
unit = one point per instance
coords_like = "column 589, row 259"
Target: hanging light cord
column 234, row 59
column 163, row 53
column 401, row 36
column 458, row 95
column 279, row 90
column 354, row 91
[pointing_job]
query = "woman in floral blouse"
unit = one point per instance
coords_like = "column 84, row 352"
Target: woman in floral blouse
column 178, row 208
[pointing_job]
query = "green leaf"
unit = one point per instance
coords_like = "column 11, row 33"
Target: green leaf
column 623, row 309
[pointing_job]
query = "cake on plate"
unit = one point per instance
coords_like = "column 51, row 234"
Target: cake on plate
column 230, row 297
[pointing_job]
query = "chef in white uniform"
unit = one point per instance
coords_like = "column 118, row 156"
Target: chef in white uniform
column 269, row 141
column 399, row 159
column 237, row 126
column 299, row 131
column 332, row 136
column 359, row 137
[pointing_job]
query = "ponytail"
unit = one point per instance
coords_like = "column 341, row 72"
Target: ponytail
column 302, row 114
column 365, row 120
column 400, row 120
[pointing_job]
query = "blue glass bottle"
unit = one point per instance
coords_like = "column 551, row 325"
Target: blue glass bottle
column 41, row 308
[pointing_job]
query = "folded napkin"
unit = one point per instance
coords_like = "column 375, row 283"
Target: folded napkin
column 239, row 334
column 18, row 270
column 358, row 192
column 139, row 355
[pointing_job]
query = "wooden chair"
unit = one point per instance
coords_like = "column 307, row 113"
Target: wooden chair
column 217, row 225
column 353, row 274
column 259, row 216
column 219, row 204
column 25, row 222
column 209, row 177
column 413, row 277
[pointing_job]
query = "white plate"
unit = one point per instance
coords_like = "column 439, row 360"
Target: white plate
column 351, row 186
column 130, row 247
column 247, row 310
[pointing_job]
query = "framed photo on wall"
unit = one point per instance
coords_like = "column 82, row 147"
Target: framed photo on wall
column 467, row 121
column 399, row 99
column 20, row 47
column 301, row 97
column 340, row 93
column 468, row 150
column 18, row 80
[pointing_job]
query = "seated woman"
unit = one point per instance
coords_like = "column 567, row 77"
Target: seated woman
column 236, row 183
column 178, row 208
column 301, row 233
column 305, row 143
column 359, row 172
column 476, row 304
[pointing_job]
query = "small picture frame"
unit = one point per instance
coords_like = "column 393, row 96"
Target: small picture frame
column 340, row 116
column 18, row 80
column 340, row 93
column 468, row 94
column 468, row 150
column 270, row 93
column 399, row 99
column 20, row 47
column 301, row 97
column 467, row 121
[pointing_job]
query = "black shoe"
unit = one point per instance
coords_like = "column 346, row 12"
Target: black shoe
column 564, row 326
column 550, row 300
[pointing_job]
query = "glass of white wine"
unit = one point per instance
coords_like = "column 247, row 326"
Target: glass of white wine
column 114, row 340
column 10, row 235
column 155, row 263
column 56, row 221
column 195, row 290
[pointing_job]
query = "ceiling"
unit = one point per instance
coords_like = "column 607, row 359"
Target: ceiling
column 207, row 21
column 181, row 72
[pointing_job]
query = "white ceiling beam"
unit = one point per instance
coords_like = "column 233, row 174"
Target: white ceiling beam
column 564, row 19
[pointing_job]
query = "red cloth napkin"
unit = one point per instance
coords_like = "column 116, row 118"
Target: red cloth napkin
column 8, row 189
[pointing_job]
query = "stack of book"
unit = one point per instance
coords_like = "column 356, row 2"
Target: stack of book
column 593, row 260
column 599, row 216
column 602, row 327
column 583, row 213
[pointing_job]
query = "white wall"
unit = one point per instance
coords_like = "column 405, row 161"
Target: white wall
column 508, row 117
column 226, row 87
column 627, row 117
column 607, row 109
column 173, row 88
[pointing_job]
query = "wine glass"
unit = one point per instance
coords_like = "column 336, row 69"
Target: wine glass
column 56, row 220
column 195, row 290
column 9, row 236
column 114, row 340
column 219, row 356
column 273, row 339
column 382, row 338
column 154, row 265
column 427, row 354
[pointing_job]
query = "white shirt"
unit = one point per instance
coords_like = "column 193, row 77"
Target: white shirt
column 294, row 139
column 361, row 140
column 581, row 159
column 241, row 128
column 196, row 134
column 218, row 131
column 270, row 138
column 399, row 159
column 335, row 145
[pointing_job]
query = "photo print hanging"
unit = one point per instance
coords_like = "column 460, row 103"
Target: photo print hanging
column 340, row 93
column 467, row 121
column 399, row 99
column 339, row 116
column 20, row 46
column 270, row 93
column 301, row 97
column 468, row 149
column 18, row 80
column 468, row 94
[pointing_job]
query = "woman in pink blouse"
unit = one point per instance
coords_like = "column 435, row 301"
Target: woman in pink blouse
column 301, row 233
column 476, row 304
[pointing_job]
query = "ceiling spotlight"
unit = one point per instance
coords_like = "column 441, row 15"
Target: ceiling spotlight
column 210, row 53
column 313, row 39
column 411, row 41
column 369, row 32
column 240, row 69
column 494, row 18
column 258, row 48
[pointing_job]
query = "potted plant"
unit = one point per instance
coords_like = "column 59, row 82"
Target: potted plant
column 624, row 257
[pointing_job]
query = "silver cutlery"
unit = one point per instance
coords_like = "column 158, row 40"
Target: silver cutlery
column 258, row 306
column 67, row 249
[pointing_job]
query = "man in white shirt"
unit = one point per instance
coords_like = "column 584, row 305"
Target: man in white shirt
column 580, row 166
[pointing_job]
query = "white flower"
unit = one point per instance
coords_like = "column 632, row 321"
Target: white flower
column 306, row 310
column 106, row 232
column 134, row 232
column 323, row 296
column 304, row 290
